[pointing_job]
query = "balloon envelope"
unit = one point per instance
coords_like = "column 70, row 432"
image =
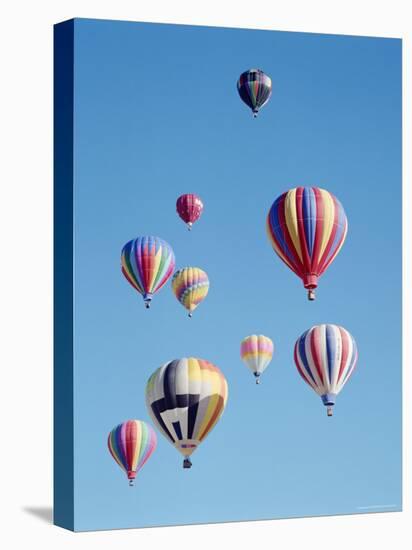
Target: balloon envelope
column 255, row 89
column 185, row 399
column 190, row 286
column 256, row 351
column 147, row 263
column 307, row 227
column 131, row 444
column 189, row 207
column 325, row 356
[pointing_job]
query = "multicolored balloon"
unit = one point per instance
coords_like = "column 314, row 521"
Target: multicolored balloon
column 325, row 356
column 255, row 89
column 190, row 208
column 131, row 444
column 190, row 286
column 257, row 352
column 147, row 263
column 185, row 398
column 307, row 227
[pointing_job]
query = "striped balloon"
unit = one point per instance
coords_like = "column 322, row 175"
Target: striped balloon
column 256, row 351
column 325, row 356
column 190, row 286
column 147, row 263
column 189, row 207
column 307, row 227
column 185, row 399
column 131, row 444
column 255, row 89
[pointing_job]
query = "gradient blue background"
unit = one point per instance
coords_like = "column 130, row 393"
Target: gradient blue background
column 157, row 114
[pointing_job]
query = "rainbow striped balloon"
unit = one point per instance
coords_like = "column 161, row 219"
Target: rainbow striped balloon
column 185, row 398
column 307, row 227
column 257, row 352
column 190, row 286
column 325, row 356
column 147, row 263
column 131, row 444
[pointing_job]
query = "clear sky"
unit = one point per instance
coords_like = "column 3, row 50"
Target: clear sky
column 156, row 115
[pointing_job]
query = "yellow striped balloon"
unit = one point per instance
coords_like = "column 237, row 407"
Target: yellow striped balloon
column 185, row 398
column 307, row 227
column 190, row 286
column 257, row 352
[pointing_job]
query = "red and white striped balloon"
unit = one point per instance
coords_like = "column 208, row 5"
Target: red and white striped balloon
column 325, row 356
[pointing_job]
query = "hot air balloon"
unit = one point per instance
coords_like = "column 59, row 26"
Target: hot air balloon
column 185, row 398
column 307, row 227
column 255, row 89
column 147, row 263
column 325, row 356
column 190, row 286
column 190, row 208
column 256, row 351
column 131, row 444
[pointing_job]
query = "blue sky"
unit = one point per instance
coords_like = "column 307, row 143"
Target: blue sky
column 156, row 115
